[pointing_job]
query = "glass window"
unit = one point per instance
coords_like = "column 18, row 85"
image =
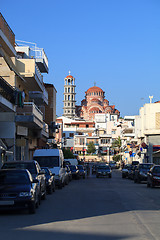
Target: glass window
column 48, row 161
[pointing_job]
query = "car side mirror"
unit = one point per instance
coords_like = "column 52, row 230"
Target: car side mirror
column 53, row 174
column 42, row 171
column 35, row 181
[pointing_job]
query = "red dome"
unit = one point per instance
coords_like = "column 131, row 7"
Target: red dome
column 94, row 89
column 69, row 76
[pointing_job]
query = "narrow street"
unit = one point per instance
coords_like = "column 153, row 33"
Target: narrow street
column 90, row 208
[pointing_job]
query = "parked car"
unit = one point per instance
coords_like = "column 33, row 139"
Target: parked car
column 50, row 180
column 82, row 172
column 74, row 171
column 94, row 168
column 18, row 190
column 131, row 171
column 113, row 164
column 125, row 170
column 68, row 170
column 141, row 172
column 104, row 171
column 153, row 176
column 35, row 170
column 54, row 160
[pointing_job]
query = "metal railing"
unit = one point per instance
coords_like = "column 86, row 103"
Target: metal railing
column 7, row 30
column 36, row 52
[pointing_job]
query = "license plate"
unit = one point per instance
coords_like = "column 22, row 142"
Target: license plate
column 3, row 203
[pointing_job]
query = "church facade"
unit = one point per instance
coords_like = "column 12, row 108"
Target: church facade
column 95, row 103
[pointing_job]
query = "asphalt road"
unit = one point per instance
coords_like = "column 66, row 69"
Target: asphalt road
column 88, row 209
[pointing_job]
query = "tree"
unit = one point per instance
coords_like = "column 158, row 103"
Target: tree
column 117, row 146
column 68, row 153
column 91, row 148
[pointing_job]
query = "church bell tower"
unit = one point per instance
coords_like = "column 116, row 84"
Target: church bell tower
column 69, row 97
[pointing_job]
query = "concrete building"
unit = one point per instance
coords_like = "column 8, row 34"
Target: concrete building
column 22, row 68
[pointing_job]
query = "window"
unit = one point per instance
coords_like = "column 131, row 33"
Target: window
column 87, row 126
column 69, row 90
column 64, row 134
column 68, row 97
column 71, row 134
column 68, row 104
column 65, row 89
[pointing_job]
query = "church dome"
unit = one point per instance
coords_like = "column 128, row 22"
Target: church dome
column 94, row 89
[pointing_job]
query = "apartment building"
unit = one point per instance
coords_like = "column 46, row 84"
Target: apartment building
column 22, row 67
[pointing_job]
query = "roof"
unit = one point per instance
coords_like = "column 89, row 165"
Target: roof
column 94, row 89
column 69, row 76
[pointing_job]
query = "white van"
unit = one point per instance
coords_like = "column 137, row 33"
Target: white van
column 54, row 160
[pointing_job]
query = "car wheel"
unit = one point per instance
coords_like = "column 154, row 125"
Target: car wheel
column 138, row 180
column 50, row 189
column 135, row 180
column 32, row 208
column 53, row 187
column 148, row 184
column 110, row 176
column 44, row 195
column 97, row 176
column 60, row 185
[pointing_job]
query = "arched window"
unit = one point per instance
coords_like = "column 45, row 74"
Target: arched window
column 68, row 97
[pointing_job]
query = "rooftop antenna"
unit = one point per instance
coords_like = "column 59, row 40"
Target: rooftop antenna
column 94, row 83
column 150, row 97
column 69, row 72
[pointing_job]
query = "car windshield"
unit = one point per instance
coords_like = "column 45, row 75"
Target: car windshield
column 103, row 168
column 21, row 165
column 13, row 178
column 72, row 167
column 48, row 161
column 80, row 167
column 156, row 169
column 145, row 166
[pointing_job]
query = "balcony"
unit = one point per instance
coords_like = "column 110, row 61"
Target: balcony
column 39, row 97
column 41, row 60
column 7, row 37
column 85, row 130
column 29, row 116
column 32, row 51
column 7, row 96
column 30, row 72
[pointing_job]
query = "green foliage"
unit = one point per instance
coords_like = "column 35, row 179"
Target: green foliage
column 68, row 153
column 91, row 148
column 117, row 143
column 117, row 158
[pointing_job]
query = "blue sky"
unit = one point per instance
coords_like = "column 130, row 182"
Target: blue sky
column 115, row 43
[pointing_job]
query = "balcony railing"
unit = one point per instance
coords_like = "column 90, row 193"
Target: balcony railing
column 7, row 30
column 30, row 108
column 7, row 91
